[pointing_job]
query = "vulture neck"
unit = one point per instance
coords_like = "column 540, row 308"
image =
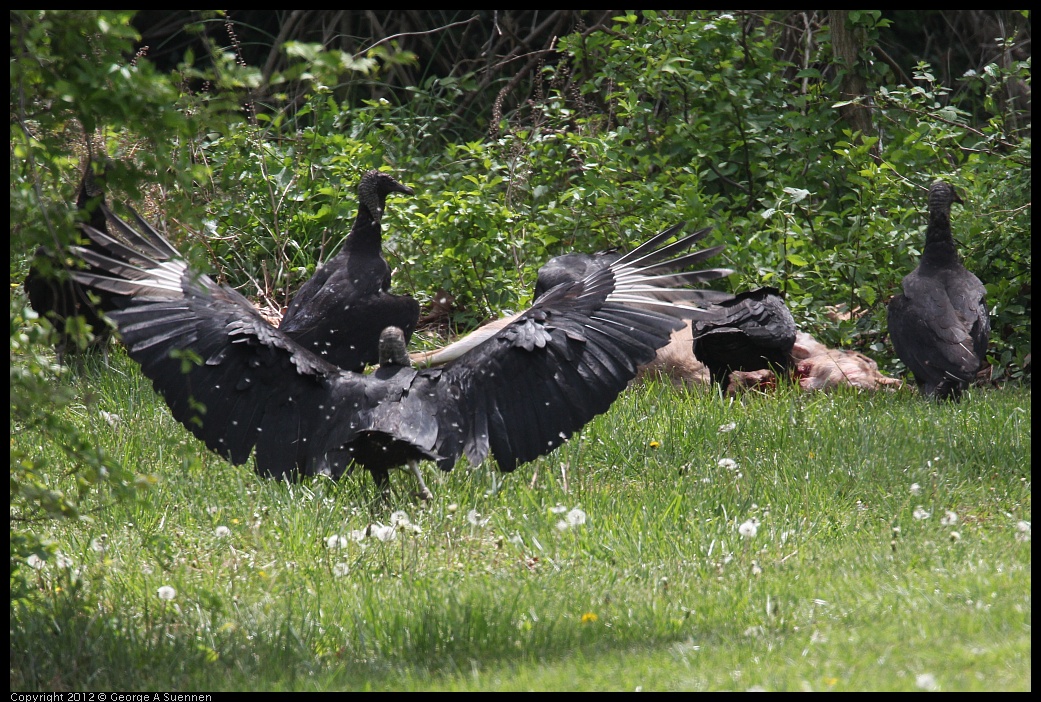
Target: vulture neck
column 940, row 250
column 365, row 236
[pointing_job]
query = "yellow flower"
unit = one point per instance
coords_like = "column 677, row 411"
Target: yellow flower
column 589, row 617
column 654, row 444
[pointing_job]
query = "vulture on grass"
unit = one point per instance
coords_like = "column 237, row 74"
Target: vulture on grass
column 939, row 325
column 515, row 395
column 341, row 310
column 752, row 331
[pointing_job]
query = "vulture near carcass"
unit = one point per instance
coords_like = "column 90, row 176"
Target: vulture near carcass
column 752, row 331
column 939, row 325
column 514, row 396
column 341, row 310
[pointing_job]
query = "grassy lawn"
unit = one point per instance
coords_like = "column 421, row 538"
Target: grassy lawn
column 682, row 541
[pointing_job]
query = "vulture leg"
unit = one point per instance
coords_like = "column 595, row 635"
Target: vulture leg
column 424, row 492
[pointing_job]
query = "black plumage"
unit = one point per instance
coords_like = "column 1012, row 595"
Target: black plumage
column 55, row 295
column 570, row 267
column 341, row 310
column 514, row 396
column 752, row 331
column 939, row 325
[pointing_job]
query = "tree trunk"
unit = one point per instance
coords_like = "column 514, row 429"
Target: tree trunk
column 845, row 47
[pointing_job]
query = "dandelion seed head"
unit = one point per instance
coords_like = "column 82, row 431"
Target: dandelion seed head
column 916, row 489
column 384, row 533
column 920, row 513
column 400, row 518
column 111, row 418
column 335, row 541
column 949, row 518
column 340, row 570
column 576, row 517
column 35, row 561
column 558, row 509
column 222, row 531
column 955, row 536
column 1023, row 531
column 728, row 463
column 926, row 681
column 749, row 528
column 166, row 593
column 729, row 426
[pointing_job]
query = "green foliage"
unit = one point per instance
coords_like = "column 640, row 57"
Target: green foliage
column 668, row 117
column 76, row 89
column 66, row 475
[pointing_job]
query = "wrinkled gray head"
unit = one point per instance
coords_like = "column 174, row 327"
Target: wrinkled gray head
column 941, row 195
column 373, row 190
column 393, row 351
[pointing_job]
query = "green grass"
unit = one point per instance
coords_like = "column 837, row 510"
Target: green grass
column 840, row 588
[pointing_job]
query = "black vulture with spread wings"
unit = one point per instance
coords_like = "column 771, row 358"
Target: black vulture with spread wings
column 241, row 385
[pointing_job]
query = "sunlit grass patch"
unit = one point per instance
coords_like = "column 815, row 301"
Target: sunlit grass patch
column 776, row 542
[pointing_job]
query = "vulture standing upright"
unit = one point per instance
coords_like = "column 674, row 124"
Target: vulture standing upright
column 752, row 331
column 515, row 396
column 939, row 325
column 341, row 310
